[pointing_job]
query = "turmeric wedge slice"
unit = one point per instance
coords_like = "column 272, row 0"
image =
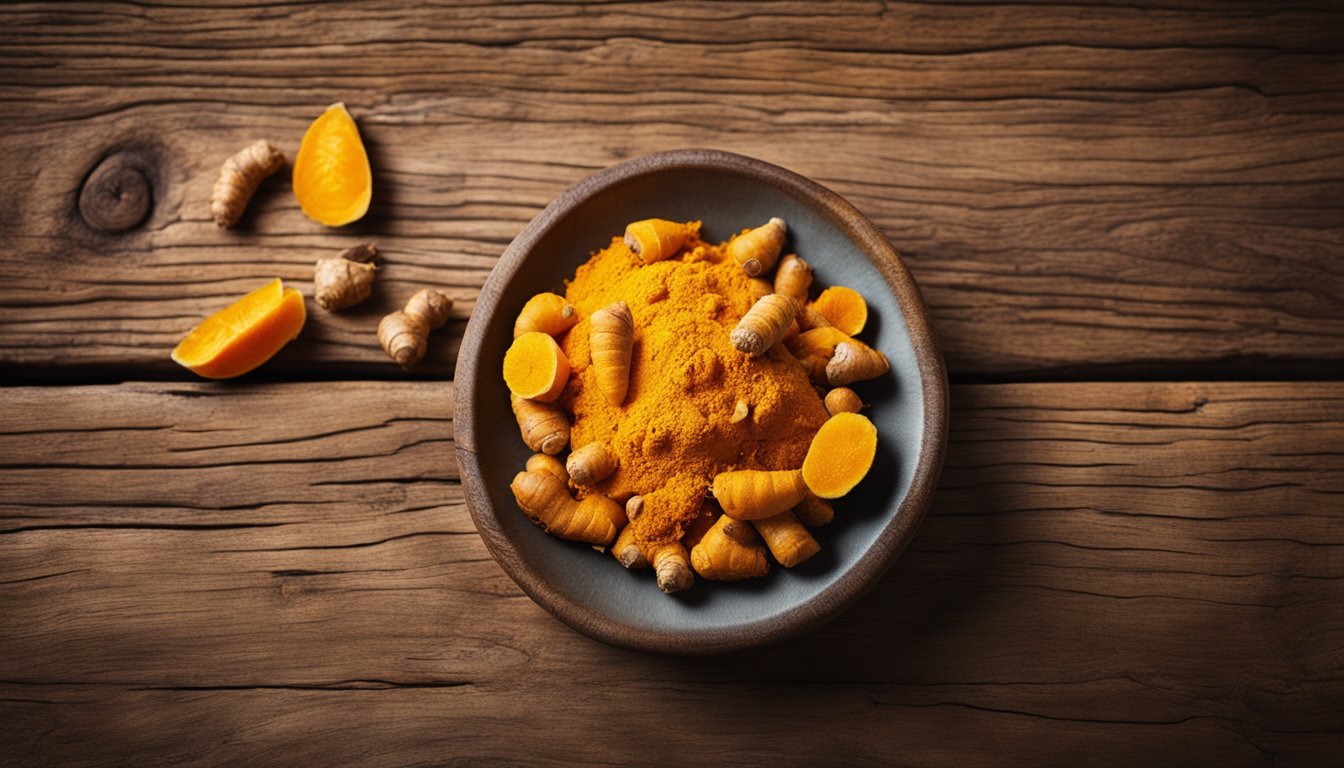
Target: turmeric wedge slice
column 332, row 178
column 244, row 334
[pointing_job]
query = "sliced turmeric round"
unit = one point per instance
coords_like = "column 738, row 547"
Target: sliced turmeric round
column 840, row 455
column 535, row 368
column 844, row 308
column 332, row 178
column 244, row 334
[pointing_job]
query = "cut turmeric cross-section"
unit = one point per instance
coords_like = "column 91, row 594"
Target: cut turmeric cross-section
column 535, row 368
column 332, row 178
column 244, row 334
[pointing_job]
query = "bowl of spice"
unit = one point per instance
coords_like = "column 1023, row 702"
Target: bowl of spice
column 721, row 377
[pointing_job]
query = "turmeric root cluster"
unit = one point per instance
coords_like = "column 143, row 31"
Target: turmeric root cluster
column 690, row 389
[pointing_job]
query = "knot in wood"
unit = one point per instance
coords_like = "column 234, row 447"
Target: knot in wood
column 116, row 196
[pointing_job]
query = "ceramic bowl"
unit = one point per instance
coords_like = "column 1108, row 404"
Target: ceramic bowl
column 590, row 591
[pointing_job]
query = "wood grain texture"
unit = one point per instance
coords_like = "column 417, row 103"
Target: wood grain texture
column 1079, row 189
column 285, row 574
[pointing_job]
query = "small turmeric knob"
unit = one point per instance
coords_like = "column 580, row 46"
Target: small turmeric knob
column 239, row 178
column 345, row 280
column 764, row 324
column 657, row 239
column 758, row 249
column 405, row 333
column 612, row 338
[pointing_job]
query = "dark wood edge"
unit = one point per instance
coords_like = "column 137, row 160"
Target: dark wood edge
column 890, row 542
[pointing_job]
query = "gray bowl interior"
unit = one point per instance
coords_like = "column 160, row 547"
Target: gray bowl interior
column 727, row 202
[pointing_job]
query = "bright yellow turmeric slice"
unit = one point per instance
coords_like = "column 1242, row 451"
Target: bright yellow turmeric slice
column 844, row 308
column 535, row 368
column 840, row 455
column 244, row 334
column 332, row 178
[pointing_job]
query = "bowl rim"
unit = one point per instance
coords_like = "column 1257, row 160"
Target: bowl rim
column 890, row 542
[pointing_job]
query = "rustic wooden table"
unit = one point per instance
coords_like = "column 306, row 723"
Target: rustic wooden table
column 1128, row 223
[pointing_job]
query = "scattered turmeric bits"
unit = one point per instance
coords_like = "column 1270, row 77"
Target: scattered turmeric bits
column 345, row 280
column 404, row 334
column 690, row 381
column 239, row 178
column 244, row 334
column 332, row 178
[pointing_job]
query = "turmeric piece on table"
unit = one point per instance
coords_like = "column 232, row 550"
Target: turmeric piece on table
column 758, row 249
column 332, row 178
column 239, row 178
column 840, row 456
column 404, row 334
column 546, row 313
column 545, row 499
column 535, row 367
column 344, row 280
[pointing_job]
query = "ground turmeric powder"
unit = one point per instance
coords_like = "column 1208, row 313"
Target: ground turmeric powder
column 676, row 429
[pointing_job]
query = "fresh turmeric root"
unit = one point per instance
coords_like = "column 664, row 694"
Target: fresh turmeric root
column 545, row 500
column 535, row 367
column 855, row 361
column 656, row 239
column 814, row 511
column 809, row 318
column 544, row 426
column 815, row 348
column 244, row 334
column 842, row 400
column 764, row 325
column 239, row 178
column 793, row 278
column 345, row 280
column 590, row 464
column 545, row 462
column 840, row 455
column 844, row 308
column 758, row 249
column 404, row 334
column 730, row 550
column 750, row 494
column 627, row 551
column 787, row 539
column 332, row 178
column 671, row 564
column 547, row 313
column 612, row 343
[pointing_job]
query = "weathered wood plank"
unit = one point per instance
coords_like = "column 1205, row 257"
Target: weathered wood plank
column 280, row 574
column 1077, row 188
